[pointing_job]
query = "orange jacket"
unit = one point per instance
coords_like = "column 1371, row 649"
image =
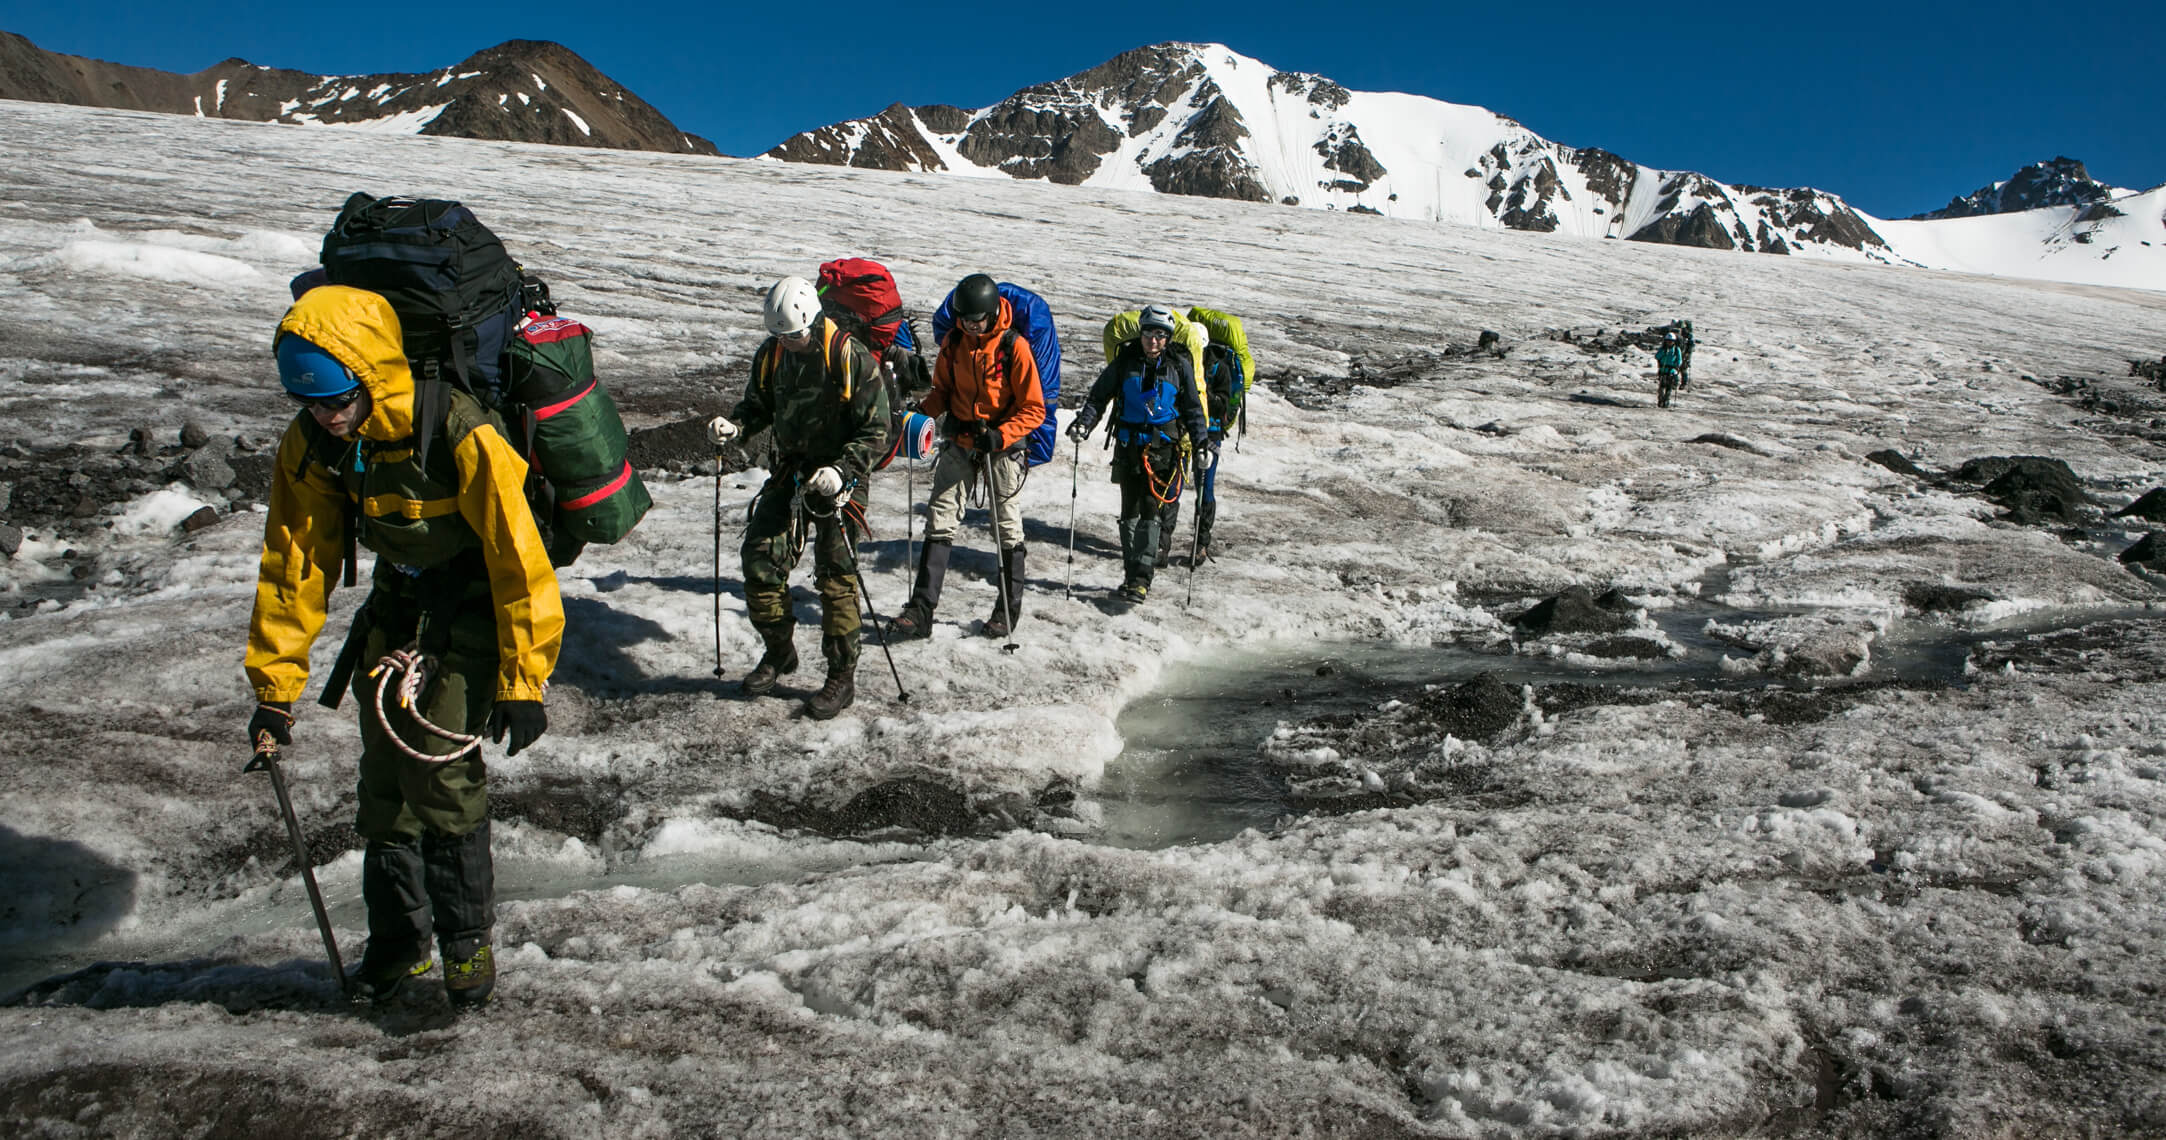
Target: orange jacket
column 972, row 383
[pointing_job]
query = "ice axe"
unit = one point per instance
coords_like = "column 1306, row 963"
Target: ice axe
column 266, row 759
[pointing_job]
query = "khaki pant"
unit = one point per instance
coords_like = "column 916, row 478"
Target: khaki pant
column 953, row 472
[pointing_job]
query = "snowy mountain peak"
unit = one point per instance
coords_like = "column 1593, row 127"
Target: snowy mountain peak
column 1204, row 120
column 2061, row 181
column 519, row 90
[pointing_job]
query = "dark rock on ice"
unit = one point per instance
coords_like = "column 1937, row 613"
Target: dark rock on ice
column 1930, row 598
column 2036, row 490
column 683, row 447
column 910, row 804
column 1475, row 709
column 203, row 519
column 1572, row 610
column 2150, row 550
column 1624, row 647
column 207, row 470
column 11, row 540
column 2151, row 506
column 192, row 435
column 1897, row 462
column 251, row 476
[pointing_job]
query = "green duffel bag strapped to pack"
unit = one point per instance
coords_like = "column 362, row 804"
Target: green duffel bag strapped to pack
column 572, row 436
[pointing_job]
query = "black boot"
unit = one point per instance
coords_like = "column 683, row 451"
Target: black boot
column 780, row 658
column 839, row 693
column 1169, row 529
column 916, row 618
column 462, row 897
column 398, row 915
column 1010, row 585
column 1206, row 514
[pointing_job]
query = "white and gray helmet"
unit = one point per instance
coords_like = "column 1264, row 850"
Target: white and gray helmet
column 792, row 305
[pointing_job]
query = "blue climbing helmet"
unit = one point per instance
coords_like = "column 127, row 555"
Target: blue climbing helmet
column 310, row 373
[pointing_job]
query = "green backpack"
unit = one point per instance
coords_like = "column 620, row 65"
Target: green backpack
column 574, row 440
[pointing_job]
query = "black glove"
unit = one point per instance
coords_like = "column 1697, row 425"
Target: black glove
column 1086, row 418
column 274, row 717
column 525, row 720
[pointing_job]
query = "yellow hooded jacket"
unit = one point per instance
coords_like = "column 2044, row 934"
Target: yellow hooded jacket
column 406, row 515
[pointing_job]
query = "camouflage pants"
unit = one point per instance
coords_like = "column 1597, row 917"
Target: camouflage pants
column 400, row 799
column 427, row 865
column 773, row 542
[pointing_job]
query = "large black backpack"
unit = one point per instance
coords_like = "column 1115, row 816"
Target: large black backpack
column 456, row 290
column 460, row 299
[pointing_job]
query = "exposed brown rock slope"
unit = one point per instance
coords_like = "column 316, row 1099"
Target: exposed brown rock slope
column 519, row 91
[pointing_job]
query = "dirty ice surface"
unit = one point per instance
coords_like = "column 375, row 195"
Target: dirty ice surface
column 1801, row 894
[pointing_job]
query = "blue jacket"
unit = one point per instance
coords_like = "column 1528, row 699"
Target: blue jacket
column 1130, row 372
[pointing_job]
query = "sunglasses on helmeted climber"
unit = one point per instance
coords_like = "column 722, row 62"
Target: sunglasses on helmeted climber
column 327, row 403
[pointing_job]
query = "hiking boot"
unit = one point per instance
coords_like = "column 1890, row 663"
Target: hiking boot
column 780, row 658
column 839, row 693
column 1133, row 593
column 380, row 975
column 469, row 975
column 1013, row 579
column 912, row 623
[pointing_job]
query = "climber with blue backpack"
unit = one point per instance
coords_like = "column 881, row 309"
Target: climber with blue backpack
column 1151, row 393
column 986, row 389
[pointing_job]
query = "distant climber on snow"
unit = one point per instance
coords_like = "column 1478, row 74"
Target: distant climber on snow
column 1669, row 359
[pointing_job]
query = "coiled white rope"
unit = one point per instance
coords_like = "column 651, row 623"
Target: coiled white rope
column 412, row 670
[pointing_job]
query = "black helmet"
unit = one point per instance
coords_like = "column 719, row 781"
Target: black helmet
column 976, row 296
column 1155, row 317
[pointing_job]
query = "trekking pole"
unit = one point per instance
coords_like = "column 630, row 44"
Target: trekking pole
column 1195, row 543
column 266, row 759
column 879, row 629
column 718, row 564
column 1075, row 474
column 1000, row 564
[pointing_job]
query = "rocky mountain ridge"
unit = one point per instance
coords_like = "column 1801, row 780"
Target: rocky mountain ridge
column 1200, row 119
column 517, row 91
column 2061, row 181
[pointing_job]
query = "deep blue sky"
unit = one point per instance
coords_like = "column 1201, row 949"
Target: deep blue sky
column 1898, row 107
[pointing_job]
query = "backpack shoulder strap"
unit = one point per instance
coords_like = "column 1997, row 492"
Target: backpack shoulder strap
column 765, row 363
column 837, row 352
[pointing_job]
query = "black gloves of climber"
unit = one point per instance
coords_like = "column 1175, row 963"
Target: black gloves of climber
column 524, row 720
column 274, row 717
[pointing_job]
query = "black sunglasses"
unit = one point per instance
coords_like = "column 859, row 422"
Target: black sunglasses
column 327, row 403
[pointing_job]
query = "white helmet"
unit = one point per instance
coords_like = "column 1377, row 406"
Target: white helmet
column 792, row 305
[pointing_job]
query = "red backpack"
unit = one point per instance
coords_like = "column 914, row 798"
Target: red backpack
column 861, row 295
